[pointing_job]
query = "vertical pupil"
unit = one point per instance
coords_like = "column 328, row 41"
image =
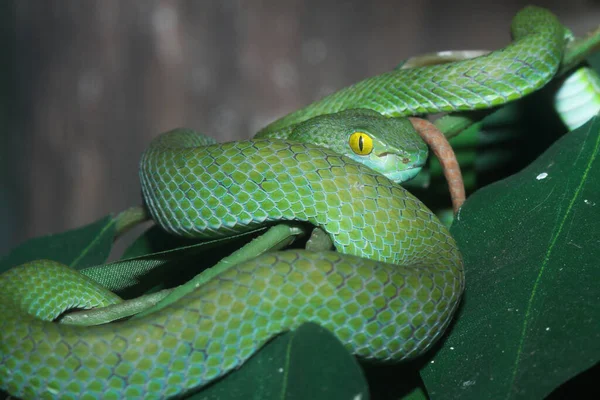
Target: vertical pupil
column 360, row 143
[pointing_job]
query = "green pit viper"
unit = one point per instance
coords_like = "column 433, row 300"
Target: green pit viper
column 388, row 292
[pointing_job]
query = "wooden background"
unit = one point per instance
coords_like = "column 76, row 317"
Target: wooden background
column 86, row 84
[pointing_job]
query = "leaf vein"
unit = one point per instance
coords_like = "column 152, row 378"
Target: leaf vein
column 287, row 364
column 547, row 259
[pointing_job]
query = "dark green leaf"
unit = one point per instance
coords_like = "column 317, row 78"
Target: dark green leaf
column 173, row 262
column 78, row 248
column 417, row 393
column 584, row 385
column 308, row 363
column 155, row 240
column 531, row 244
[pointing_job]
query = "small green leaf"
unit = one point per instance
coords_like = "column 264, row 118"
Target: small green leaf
column 78, row 248
column 167, row 267
column 417, row 393
column 308, row 363
column 531, row 245
column 155, row 240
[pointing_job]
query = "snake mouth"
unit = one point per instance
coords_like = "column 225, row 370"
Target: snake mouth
column 390, row 156
column 404, row 175
column 393, row 158
column 398, row 167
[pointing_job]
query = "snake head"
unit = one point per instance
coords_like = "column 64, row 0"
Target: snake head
column 390, row 146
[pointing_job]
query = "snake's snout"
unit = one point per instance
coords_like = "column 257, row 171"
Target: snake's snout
column 403, row 175
column 399, row 167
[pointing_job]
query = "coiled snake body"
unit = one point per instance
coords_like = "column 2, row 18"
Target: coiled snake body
column 388, row 292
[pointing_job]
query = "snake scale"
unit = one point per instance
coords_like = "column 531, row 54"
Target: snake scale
column 388, row 292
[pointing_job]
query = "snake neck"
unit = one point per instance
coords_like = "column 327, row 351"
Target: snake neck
column 497, row 78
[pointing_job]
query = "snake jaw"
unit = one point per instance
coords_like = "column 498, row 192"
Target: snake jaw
column 398, row 167
column 394, row 167
column 403, row 175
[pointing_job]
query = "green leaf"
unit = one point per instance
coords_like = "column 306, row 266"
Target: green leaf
column 172, row 262
column 531, row 245
column 78, row 248
column 584, row 383
column 155, row 240
column 307, row 363
column 417, row 393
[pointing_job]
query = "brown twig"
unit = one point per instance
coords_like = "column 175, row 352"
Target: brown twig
column 438, row 143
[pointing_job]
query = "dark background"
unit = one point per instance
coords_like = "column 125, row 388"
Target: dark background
column 85, row 85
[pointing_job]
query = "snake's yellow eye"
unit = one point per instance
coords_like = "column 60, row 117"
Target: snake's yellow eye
column 361, row 143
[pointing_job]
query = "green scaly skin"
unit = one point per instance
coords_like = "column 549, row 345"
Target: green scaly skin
column 388, row 292
column 483, row 82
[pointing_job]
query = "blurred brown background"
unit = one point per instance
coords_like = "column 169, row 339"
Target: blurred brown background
column 85, row 85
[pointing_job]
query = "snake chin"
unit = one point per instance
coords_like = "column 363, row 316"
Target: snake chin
column 391, row 165
column 403, row 175
column 396, row 168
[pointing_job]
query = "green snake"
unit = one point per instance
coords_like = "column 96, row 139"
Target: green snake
column 388, row 292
